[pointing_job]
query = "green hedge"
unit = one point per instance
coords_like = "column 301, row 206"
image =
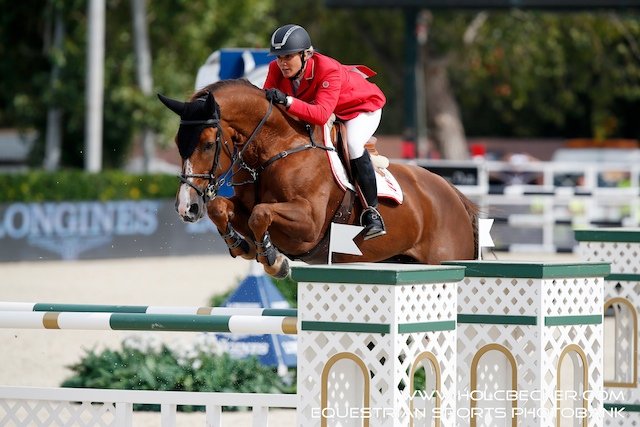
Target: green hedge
column 142, row 363
column 75, row 185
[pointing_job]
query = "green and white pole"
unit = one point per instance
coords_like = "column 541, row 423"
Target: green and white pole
column 239, row 324
column 148, row 309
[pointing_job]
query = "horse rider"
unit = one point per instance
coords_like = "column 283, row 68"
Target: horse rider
column 312, row 86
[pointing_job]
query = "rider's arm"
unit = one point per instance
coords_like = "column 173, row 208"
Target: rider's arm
column 327, row 84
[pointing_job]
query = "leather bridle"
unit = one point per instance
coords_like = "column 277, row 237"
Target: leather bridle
column 214, row 183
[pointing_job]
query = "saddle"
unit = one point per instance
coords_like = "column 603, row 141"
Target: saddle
column 335, row 136
column 339, row 135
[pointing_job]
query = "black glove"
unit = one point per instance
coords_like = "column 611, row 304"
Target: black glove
column 276, row 96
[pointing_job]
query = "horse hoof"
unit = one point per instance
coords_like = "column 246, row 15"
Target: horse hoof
column 284, row 270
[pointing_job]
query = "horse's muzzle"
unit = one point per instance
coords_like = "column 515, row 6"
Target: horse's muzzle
column 193, row 214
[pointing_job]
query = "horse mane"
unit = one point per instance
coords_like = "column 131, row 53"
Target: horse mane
column 244, row 83
column 221, row 84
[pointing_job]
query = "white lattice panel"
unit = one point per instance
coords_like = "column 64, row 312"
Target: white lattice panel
column 628, row 290
column 498, row 296
column 388, row 357
column 572, row 296
column 623, row 256
column 346, row 302
column 622, row 419
column 20, row 413
column 426, row 302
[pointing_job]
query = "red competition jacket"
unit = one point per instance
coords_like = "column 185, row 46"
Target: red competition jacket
column 328, row 87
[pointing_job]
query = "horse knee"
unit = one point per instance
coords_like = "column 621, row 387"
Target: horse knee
column 260, row 217
column 217, row 211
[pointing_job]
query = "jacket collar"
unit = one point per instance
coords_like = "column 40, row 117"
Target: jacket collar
column 307, row 76
column 310, row 69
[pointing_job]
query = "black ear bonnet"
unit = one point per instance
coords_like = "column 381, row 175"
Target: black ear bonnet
column 197, row 115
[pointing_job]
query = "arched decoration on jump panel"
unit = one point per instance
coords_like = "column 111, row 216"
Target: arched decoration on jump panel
column 621, row 248
column 430, row 399
column 498, row 372
column 623, row 352
column 386, row 315
column 533, row 309
column 567, row 406
column 345, row 385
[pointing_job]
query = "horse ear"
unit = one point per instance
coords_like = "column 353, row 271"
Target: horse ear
column 211, row 106
column 175, row 106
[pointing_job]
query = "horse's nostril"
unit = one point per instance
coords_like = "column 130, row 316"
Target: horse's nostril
column 193, row 209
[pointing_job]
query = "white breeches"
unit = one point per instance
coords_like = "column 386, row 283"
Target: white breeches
column 359, row 130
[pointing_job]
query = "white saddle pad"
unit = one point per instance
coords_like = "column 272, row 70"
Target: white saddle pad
column 388, row 187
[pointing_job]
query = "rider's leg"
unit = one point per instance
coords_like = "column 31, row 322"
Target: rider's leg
column 366, row 179
column 359, row 130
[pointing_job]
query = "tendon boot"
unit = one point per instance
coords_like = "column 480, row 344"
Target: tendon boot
column 365, row 177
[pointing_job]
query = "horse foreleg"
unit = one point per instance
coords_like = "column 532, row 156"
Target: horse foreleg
column 275, row 264
column 222, row 214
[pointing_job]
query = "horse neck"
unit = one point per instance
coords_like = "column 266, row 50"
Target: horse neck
column 277, row 134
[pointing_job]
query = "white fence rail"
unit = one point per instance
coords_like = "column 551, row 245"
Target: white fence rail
column 476, row 176
column 530, row 196
column 32, row 406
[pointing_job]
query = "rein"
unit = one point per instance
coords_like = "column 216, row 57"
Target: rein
column 285, row 153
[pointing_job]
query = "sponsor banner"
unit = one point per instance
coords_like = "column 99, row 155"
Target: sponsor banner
column 96, row 230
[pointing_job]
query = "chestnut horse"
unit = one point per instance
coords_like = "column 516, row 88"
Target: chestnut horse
column 285, row 195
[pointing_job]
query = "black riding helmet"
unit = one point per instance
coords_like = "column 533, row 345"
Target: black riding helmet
column 289, row 39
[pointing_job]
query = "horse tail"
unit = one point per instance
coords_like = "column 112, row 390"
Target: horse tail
column 473, row 210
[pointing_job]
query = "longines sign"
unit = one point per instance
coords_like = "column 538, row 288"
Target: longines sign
column 90, row 230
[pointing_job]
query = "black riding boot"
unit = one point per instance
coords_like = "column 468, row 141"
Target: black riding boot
column 366, row 179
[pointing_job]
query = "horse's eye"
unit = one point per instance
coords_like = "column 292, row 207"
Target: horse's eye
column 208, row 146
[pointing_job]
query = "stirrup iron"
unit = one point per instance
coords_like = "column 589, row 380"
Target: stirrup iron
column 377, row 227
